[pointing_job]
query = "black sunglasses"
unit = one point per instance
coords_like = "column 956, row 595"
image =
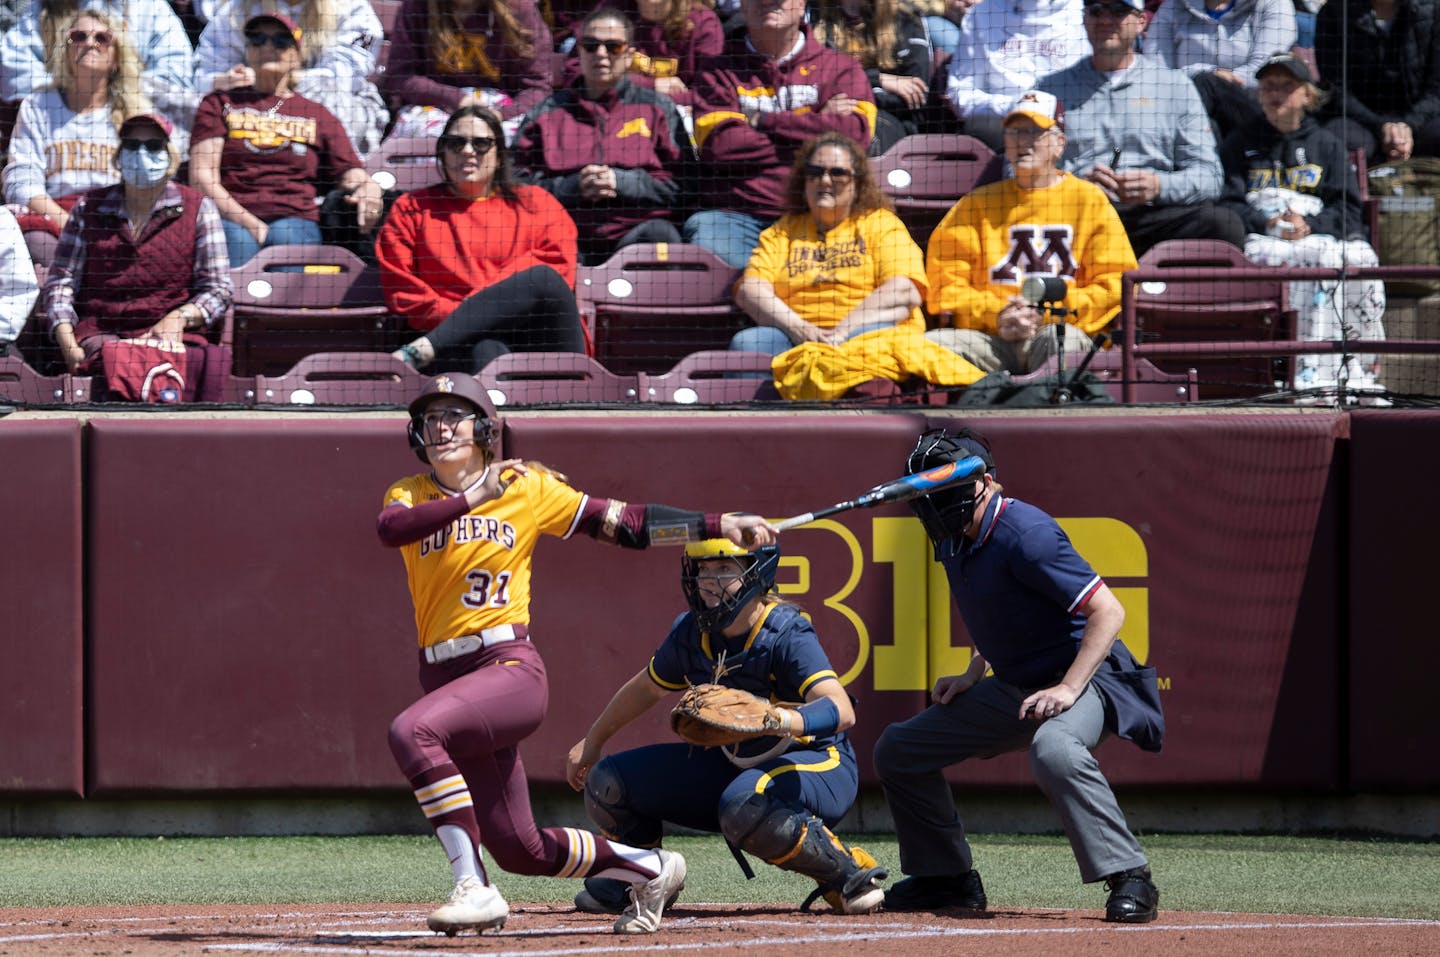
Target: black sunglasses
column 101, row 37
column 613, row 47
column 153, row 144
column 837, row 174
column 1117, row 10
column 454, row 143
column 280, row 41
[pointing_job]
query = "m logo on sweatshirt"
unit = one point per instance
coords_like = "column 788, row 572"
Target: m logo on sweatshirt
column 1054, row 255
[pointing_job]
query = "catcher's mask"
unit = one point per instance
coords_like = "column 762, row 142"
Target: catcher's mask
column 946, row 513
column 757, row 578
column 458, row 386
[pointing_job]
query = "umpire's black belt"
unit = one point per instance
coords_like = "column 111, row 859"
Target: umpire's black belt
column 469, row 644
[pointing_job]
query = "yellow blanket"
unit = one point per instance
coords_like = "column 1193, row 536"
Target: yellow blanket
column 817, row 370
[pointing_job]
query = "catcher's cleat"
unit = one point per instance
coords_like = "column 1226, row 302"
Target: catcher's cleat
column 963, row 891
column 1134, row 898
column 473, row 905
column 605, row 895
column 649, row 900
column 857, row 893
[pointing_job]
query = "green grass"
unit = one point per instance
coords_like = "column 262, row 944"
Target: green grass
column 1274, row 874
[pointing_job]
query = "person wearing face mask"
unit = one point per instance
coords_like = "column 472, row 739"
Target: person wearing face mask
column 144, row 258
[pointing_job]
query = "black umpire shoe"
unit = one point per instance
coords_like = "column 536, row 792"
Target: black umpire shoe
column 962, row 891
column 1133, row 897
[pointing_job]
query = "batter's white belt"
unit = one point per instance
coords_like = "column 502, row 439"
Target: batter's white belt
column 469, row 644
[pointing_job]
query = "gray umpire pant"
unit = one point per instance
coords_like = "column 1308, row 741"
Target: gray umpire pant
column 911, row 756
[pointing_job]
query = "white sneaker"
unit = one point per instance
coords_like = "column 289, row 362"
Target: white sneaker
column 648, row 900
column 472, row 906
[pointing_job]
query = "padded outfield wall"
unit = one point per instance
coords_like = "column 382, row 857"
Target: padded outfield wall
column 198, row 606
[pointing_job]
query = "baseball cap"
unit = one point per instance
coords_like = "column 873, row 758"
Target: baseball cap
column 1042, row 108
column 290, row 25
column 133, row 121
column 1291, row 64
column 1138, row 5
column 457, row 385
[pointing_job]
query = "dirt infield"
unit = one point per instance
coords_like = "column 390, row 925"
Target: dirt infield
column 548, row 930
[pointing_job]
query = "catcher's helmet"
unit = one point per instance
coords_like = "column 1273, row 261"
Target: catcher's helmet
column 455, row 386
column 758, row 578
column 946, row 513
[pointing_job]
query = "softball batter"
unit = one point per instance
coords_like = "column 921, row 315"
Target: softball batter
column 466, row 531
column 773, row 797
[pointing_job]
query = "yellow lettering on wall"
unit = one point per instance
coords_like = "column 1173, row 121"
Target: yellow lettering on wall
column 901, row 542
column 835, row 600
column 1115, row 550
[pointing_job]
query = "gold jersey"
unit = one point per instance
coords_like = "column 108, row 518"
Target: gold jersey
column 474, row 573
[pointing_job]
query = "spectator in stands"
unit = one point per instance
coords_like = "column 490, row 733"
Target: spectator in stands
column 261, row 151
column 1004, row 50
column 31, row 52
column 1381, row 62
column 18, row 289
column 1138, row 131
column 942, row 22
column 481, row 264
column 838, row 264
column 449, row 54
column 772, row 89
column 1044, row 221
column 1220, row 44
column 1293, row 184
column 142, row 258
column 65, row 136
column 608, row 149
column 341, row 39
column 672, row 38
column 890, row 43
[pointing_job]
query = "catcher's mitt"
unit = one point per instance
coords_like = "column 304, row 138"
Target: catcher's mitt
column 710, row 715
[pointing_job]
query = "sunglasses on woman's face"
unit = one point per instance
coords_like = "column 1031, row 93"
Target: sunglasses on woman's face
column 280, row 41
column 454, row 143
column 151, row 145
column 102, row 38
column 613, row 47
column 837, row 174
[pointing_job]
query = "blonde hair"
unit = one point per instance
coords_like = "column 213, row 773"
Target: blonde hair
column 122, row 85
column 872, row 41
column 318, row 22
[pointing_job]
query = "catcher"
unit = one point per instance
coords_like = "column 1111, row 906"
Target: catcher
column 777, row 792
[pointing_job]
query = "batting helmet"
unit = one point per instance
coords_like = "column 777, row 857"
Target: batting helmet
column 453, row 386
column 758, row 578
column 947, row 513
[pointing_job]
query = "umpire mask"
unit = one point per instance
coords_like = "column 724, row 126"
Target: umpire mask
column 946, row 513
column 757, row 578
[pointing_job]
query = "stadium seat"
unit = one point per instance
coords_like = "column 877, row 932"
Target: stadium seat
column 1149, row 386
column 712, row 378
column 925, row 174
column 404, row 163
column 536, row 378
column 22, row 385
column 342, row 378
column 652, row 304
column 1200, row 310
column 291, row 301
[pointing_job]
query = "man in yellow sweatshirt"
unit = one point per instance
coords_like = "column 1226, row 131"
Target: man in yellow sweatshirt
column 1043, row 222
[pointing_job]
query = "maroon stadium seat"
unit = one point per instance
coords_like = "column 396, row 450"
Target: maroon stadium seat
column 342, row 378
column 22, row 385
column 1150, row 386
column 404, row 163
column 926, row 173
column 535, row 378
column 712, row 377
column 652, row 304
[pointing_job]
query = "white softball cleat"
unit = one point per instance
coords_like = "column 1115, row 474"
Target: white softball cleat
column 473, row 905
column 648, row 900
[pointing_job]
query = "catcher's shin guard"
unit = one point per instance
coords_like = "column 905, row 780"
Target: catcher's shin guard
column 848, row 877
column 608, row 807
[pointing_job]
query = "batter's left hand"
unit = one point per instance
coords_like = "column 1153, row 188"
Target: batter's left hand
column 495, row 482
column 577, row 764
column 1047, row 703
column 747, row 530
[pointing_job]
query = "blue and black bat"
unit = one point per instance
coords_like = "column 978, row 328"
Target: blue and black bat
column 900, row 490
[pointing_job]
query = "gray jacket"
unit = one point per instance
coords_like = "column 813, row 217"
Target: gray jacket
column 1185, row 37
column 1152, row 114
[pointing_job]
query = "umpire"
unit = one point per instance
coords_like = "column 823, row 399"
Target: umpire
column 1062, row 682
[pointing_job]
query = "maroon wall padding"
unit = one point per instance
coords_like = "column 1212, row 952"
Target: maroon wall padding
column 247, row 630
column 41, row 606
column 1393, row 578
column 1228, row 509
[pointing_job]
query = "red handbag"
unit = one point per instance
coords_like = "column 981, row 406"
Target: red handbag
column 146, row 369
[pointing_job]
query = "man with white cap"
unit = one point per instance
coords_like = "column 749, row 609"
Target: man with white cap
column 1043, row 222
column 1139, row 131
